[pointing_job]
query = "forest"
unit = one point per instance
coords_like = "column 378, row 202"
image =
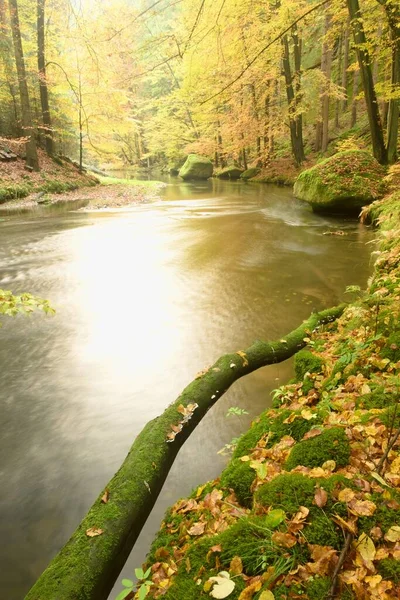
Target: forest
column 244, row 82
column 180, row 178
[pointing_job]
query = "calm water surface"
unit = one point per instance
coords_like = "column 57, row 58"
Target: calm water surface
column 145, row 299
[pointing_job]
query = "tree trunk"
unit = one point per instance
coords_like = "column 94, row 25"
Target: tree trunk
column 393, row 15
column 31, row 151
column 293, row 94
column 44, row 94
column 6, row 52
column 87, row 567
column 374, row 118
column 339, row 79
column 325, row 99
column 345, row 66
column 353, row 121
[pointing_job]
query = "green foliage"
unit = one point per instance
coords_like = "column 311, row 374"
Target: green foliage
column 318, row 588
column 332, row 444
column 236, row 411
column 12, row 305
column 144, row 585
column 14, row 191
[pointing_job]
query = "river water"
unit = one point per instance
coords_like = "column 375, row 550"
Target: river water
column 145, row 298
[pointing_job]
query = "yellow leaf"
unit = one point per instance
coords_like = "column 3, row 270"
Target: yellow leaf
column 329, row 465
column 393, row 535
column 94, row 532
column 307, row 414
column 236, row 566
column 365, row 547
column 105, row 497
column 346, row 495
column 266, row 595
column 395, row 466
column 223, row 585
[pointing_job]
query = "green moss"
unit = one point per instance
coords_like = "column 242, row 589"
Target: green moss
column 344, row 182
column 332, row 444
column 252, row 172
column 288, row 491
column 272, row 423
column 239, row 476
column 322, row 530
column 52, row 186
column 318, row 588
column 391, row 349
column 307, row 362
column 378, row 398
column 389, row 568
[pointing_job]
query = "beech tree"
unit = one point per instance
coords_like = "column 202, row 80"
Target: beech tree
column 27, row 125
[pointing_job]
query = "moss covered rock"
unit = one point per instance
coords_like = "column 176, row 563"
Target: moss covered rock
column 249, row 173
column 331, row 444
column 196, row 167
column 231, row 172
column 343, row 183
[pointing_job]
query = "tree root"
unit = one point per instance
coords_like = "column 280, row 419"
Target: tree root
column 90, row 562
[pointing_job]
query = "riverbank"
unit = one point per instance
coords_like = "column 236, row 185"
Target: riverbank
column 308, row 505
column 59, row 181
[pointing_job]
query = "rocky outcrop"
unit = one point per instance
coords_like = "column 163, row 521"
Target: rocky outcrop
column 196, row 167
column 230, row 172
column 343, row 183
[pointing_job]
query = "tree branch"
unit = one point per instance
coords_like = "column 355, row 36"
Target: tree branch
column 257, row 56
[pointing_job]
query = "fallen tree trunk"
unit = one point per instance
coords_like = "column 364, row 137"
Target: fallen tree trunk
column 90, row 562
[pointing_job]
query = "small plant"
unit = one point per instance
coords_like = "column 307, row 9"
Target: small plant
column 235, row 410
column 143, row 583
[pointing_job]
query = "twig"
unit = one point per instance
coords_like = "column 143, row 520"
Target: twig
column 347, row 541
column 390, row 445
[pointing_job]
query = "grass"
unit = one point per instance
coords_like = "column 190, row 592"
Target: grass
column 132, row 182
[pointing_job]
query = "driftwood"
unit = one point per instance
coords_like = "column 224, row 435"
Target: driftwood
column 90, row 562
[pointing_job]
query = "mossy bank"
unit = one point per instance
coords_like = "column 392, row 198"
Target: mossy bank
column 318, row 468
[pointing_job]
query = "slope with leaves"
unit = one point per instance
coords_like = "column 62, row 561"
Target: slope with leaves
column 308, row 506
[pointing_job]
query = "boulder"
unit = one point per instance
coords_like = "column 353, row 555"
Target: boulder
column 249, row 173
column 196, row 167
column 342, row 183
column 231, row 172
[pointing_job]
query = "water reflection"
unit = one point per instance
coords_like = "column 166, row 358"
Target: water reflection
column 145, row 298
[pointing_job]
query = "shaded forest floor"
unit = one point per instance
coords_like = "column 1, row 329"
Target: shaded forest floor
column 308, row 506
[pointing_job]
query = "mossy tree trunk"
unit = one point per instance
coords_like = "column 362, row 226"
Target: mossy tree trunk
column 87, row 567
column 293, row 93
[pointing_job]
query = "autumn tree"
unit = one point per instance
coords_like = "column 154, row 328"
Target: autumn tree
column 27, row 125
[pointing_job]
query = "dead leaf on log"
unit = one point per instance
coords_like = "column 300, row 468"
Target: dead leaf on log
column 243, row 355
column 94, row 532
column 197, row 528
column 105, row 497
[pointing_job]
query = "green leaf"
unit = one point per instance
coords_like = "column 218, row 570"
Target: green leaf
column 123, row 594
column 275, row 518
column 145, row 576
column 139, row 573
column 143, row 591
column 127, row 583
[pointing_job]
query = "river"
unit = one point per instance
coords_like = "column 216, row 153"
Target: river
column 145, row 297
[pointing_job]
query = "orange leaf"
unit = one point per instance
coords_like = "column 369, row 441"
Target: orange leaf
column 362, row 508
column 284, row 539
column 105, row 497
